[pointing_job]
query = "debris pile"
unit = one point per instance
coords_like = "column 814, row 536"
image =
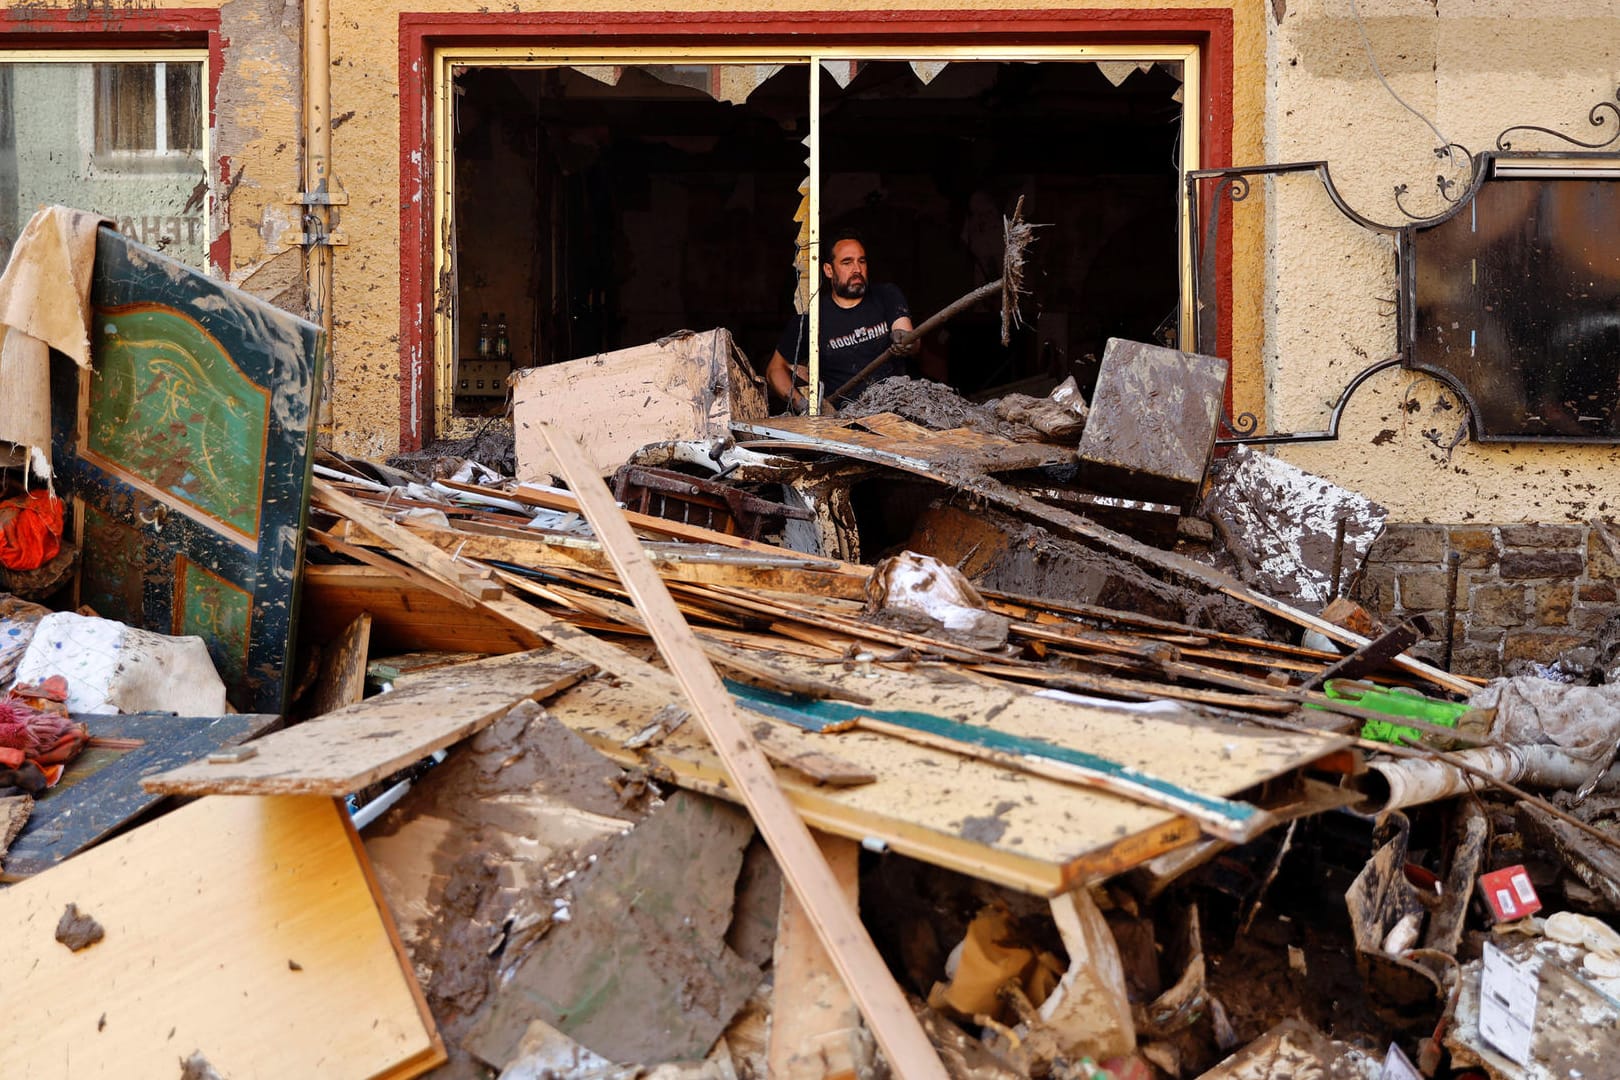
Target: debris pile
column 928, row 738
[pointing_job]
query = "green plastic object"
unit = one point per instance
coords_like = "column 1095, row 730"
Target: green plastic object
column 1394, row 701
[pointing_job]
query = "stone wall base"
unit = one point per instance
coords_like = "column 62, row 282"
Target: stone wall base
column 1524, row 592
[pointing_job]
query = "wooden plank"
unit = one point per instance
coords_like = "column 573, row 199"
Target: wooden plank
column 757, row 668
column 468, row 577
column 893, row 1024
column 101, row 792
column 549, row 498
column 342, row 678
column 779, row 744
column 814, row 1020
column 1132, row 689
column 1180, row 566
column 894, row 435
column 245, row 930
column 187, row 451
column 378, row 561
column 782, row 573
column 403, row 615
column 363, row 743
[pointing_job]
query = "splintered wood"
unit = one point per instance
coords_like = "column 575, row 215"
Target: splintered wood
column 359, row 744
column 980, row 776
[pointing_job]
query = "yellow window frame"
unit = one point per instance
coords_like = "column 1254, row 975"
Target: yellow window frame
column 450, row 60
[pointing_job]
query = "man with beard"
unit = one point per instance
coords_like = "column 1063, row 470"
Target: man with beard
column 858, row 321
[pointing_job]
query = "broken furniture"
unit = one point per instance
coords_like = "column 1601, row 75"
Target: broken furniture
column 186, row 453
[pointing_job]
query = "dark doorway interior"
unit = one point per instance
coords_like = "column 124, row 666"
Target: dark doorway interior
column 597, row 214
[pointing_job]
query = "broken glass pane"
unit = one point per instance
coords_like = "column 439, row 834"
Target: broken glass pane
column 123, row 140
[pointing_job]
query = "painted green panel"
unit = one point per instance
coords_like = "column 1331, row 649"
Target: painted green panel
column 168, row 405
column 187, row 453
column 218, row 612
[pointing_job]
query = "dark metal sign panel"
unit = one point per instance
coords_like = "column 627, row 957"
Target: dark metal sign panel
column 187, row 450
column 1516, row 304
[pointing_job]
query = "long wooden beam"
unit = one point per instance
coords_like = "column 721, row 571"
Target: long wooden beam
column 893, row 1024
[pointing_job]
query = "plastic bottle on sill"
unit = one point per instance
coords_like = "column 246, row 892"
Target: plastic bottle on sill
column 483, row 336
column 503, row 344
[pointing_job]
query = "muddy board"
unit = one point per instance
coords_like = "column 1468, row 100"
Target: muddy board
column 101, row 790
column 187, row 452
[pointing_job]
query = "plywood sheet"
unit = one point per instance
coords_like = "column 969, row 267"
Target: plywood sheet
column 404, row 616
column 1024, row 831
column 688, row 386
column 246, row 930
column 356, row 745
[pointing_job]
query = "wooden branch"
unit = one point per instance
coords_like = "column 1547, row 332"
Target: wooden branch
column 895, row 1027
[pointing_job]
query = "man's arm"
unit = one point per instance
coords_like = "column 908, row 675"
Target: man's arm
column 779, row 373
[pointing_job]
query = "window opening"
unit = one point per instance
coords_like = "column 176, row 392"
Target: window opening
column 600, row 206
column 120, row 133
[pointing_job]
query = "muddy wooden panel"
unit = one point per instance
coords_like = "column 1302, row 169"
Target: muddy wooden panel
column 187, row 453
column 360, row 744
column 960, row 448
column 686, row 386
column 342, row 679
column 1028, row 832
column 247, row 930
column 1151, row 430
column 101, row 791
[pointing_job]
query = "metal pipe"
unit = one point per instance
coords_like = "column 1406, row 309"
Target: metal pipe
column 1453, row 561
column 1395, row 784
column 317, row 212
column 1338, row 558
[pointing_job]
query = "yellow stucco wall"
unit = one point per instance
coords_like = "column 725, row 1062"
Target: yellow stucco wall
column 365, row 161
column 1312, row 295
column 1473, row 67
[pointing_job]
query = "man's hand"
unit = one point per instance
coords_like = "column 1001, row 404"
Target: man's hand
column 903, row 342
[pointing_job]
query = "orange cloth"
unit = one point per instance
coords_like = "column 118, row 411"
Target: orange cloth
column 30, row 530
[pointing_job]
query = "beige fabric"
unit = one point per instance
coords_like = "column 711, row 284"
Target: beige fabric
column 44, row 304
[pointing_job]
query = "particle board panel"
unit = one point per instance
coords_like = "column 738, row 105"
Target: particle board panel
column 1027, row 832
column 686, row 386
column 359, row 744
column 1200, row 754
column 247, row 930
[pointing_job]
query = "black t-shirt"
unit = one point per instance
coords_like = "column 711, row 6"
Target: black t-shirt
column 851, row 338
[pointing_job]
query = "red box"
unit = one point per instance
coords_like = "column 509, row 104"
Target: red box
column 1509, row 893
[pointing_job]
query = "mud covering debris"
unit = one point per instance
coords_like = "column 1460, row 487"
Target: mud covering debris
column 77, row 930
column 1014, row 734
